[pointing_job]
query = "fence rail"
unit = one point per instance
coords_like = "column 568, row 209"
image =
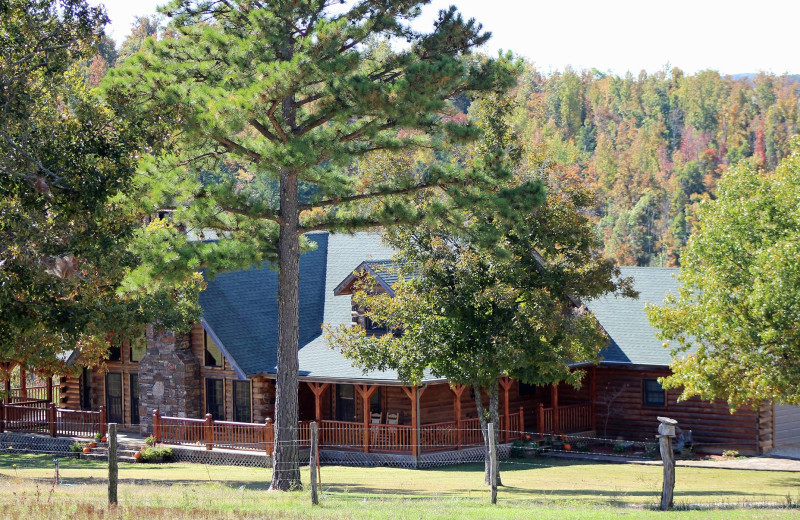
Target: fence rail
column 41, row 417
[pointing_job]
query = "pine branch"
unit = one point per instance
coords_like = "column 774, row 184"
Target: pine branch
column 274, row 121
column 263, row 130
column 231, row 146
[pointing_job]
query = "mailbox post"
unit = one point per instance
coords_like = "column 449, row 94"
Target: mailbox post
column 666, row 432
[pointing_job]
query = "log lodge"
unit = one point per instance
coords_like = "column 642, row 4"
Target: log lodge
column 222, row 373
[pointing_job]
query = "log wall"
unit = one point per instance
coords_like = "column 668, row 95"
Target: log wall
column 620, row 413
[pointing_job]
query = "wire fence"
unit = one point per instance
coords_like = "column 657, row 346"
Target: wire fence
column 532, row 469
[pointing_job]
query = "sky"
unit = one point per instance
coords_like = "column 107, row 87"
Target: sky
column 616, row 36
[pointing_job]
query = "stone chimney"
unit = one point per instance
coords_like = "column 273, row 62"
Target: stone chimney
column 169, row 378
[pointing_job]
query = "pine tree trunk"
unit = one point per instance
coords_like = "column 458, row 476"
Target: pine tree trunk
column 285, row 464
column 494, row 417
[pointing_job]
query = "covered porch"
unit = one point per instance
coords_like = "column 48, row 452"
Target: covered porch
column 395, row 419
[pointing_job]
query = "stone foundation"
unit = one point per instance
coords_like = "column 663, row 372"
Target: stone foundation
column 169, row 378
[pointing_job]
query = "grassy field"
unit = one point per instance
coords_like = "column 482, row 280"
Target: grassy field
column 540, row 488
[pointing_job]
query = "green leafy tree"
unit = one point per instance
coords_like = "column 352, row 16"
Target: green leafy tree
column 66, row 162
column 495, row 291
column 267, row 105
column 734, row 321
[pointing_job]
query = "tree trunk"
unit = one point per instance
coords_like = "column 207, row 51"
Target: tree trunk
column 285, row 464
column 494, row 417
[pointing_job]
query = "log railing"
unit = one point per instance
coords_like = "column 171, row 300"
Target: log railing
column 391, row 438
column 350, row 435
column 442, row 436
column 574, row 418
column 29, row 393
column 571, row 418
column 342, row 435
column 41, row 417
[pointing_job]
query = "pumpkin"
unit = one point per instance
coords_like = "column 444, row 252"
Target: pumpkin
column 103, row 439
column 87, row 449
column 567, row 447
column 137, row 455
column 92, row 444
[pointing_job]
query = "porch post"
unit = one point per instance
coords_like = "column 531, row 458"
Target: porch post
column 593, row 398
column 7, row 367
column 52, row 419
column 365, row 394
column 49, row 383
column 521, row 423
column 457, row 391
column 540, row 420
column 23, row 383
column 505, row 382
column 317, row 389
column 103, row 424
column 554, row 406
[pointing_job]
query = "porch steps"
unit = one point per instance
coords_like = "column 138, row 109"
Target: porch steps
column 125, row 452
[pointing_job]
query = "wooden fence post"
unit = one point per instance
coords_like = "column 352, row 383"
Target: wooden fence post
column 113, row 468
column 541, row 420
column 521, row 423
column 2, row 417
column 157, row 425
column 492, row 463
column 312, row 462
column 103, row 420
column 51, row 419
column 666, row 431
column 209, row 427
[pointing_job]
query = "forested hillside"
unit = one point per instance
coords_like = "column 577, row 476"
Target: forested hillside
column 651, row 146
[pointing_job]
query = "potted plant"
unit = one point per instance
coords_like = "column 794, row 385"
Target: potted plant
column 98, row 437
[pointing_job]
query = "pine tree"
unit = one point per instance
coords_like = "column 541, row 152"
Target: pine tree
column 256, row 111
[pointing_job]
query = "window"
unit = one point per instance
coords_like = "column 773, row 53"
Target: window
column 653, row 393
column 375, row 401
column 345, row 403
column 138, row 346
column 213, row 357
column 215, row 398
column 241, row 401
column 115, row 348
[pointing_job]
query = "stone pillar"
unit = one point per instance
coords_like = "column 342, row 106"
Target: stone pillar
column 169, row 378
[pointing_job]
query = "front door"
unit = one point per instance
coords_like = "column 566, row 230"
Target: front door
column 114, row 397
column 345, row 403
column 134, row 399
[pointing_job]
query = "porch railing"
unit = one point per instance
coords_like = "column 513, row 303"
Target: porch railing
column 41, row 417
column 31, row 392
column 347, row 435
column 570, row 419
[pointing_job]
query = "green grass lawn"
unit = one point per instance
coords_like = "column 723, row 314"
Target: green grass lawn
column 540, row 488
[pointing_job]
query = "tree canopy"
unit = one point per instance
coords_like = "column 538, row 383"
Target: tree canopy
column 255, row 112
column 734, row 321
column 67, row 162
column 494, row 291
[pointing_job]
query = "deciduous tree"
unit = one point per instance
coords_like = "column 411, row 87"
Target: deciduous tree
column 734, row 321
column 495, row 291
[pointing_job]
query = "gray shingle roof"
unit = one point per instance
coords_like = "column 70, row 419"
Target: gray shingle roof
column 633, row 340
column 241, row 309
